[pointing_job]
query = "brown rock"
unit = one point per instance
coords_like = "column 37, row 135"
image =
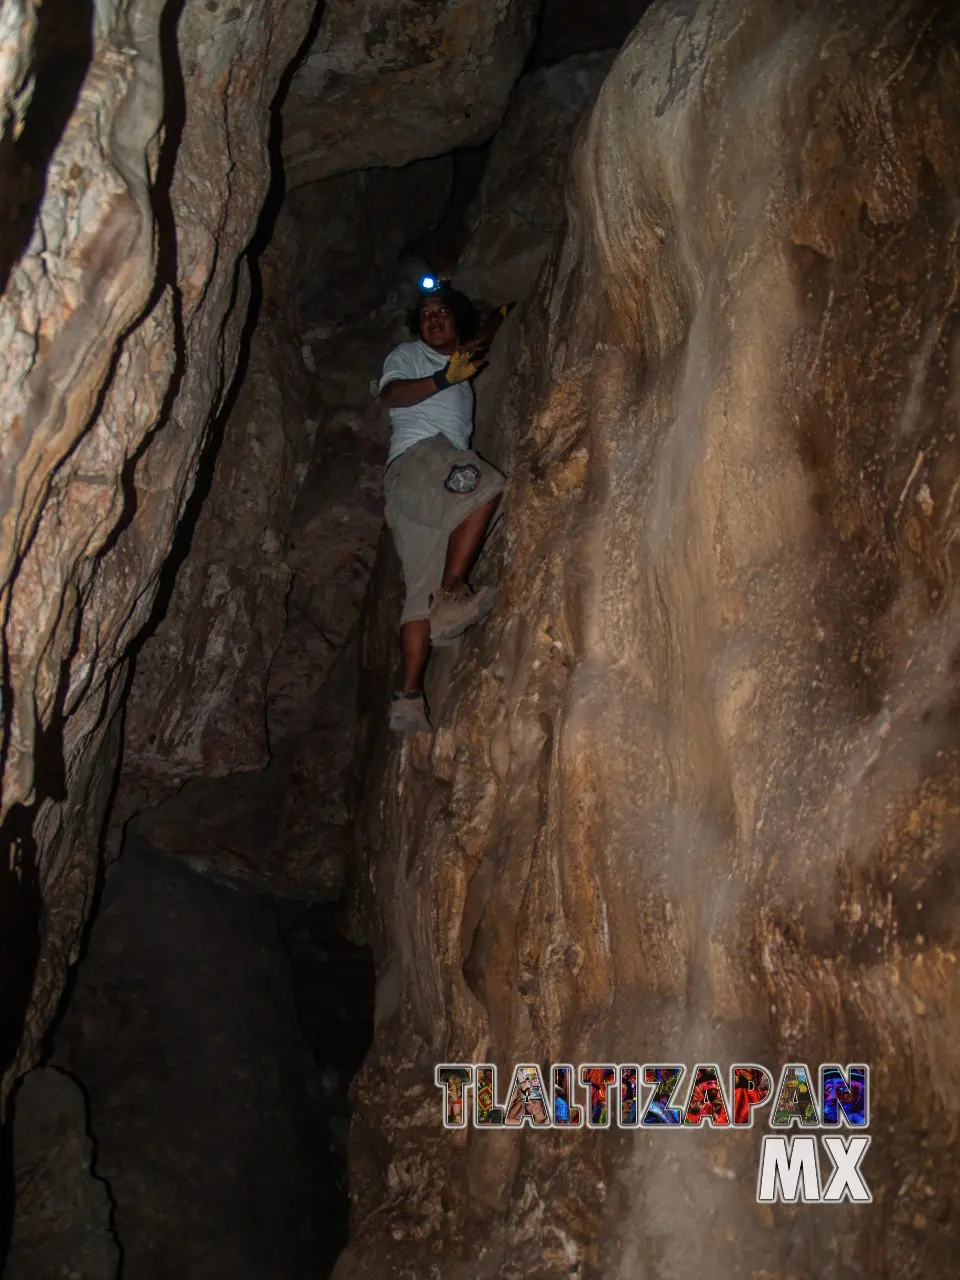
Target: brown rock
column 110, row 381
column 196, row 703
column 519, row 207
column 694, row 775
column 384, row 84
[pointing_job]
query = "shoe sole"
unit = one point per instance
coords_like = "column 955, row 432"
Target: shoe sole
column 486, row 599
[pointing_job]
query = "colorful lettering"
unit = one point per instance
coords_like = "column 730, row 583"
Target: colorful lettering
column 666, row 1081
column 453, row 1079
column 845, row 1095
column 751, row 1087
column 565, row 1114
column 795, row 1100
column 706, row 1100
column 598, row 1080
column 486, row 1114
column 527, row 1100
column 629, row 1116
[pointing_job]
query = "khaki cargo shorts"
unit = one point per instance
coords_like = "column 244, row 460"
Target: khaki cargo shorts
column 430, row 489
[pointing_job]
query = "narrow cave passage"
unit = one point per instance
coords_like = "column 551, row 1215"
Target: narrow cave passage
column 191, row 1112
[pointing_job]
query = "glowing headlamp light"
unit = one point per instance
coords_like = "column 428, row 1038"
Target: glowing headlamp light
column 429, row 284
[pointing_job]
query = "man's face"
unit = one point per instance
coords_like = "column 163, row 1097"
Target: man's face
column 438, row 328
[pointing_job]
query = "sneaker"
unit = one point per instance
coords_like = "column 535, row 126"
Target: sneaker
column 408, row 713
column 453, row 611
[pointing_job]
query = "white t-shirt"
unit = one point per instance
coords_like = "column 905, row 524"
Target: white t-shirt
column 449, row 412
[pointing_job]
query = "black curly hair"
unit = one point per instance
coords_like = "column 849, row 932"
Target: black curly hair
column 465, row 314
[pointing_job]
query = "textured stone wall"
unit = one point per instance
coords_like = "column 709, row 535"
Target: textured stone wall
column 518, row 209
column 385, row 83
column 693, row 791
column 136, row 191
column 196, row 704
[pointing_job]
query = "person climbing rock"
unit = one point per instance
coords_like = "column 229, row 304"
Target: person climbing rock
column 440, row 496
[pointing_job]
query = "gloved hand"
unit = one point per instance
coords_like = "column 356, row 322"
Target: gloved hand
column 461, row 366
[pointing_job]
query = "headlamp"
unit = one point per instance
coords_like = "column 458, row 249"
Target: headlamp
column 429, row 284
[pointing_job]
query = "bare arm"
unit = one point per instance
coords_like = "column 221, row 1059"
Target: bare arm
column 402, row 393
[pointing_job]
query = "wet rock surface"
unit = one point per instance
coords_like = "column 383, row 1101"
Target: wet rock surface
column 692, row 793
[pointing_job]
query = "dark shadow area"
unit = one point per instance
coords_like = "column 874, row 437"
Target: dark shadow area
column 334, row 983
column 6, row 1189
column 215, row 1032
column 570, row 27
column 63, row 49
column 20, row 907
column 20, row 897
column 443, row 245
column 66, row 1210
column 19, row 925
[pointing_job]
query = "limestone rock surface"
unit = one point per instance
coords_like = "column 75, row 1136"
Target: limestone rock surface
column 120, row 326
column 386, row 83
column 693, row 790
column 196, row 703
column 237, row 756
column 519, row 207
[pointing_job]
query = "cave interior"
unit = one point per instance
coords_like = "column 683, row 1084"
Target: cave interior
column 691, row 791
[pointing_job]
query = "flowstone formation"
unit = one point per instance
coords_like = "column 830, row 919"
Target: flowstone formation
column 693, row 790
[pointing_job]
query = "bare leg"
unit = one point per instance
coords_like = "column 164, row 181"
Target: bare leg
column 415, row 649
column 465, row 542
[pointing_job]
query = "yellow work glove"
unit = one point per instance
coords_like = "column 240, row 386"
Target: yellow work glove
column 461, row 366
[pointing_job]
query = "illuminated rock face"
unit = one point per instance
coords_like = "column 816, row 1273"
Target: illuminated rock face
column 125, row 295
column 387, row 83
column 693, row 793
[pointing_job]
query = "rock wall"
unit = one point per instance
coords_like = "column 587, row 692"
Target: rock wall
column 518, row 209
column 692, row 793
column 386, row 83
column 196, row 703
column 136, row 192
